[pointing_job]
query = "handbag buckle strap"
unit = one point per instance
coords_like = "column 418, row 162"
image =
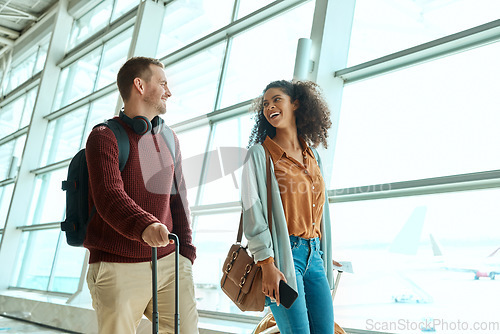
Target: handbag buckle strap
column 248, row 269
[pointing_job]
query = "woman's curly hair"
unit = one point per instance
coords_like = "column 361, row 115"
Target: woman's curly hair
column 312, row 116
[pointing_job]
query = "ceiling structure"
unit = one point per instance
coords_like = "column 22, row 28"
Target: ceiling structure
column 17, row 16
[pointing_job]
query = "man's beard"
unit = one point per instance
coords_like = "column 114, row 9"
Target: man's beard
column 159, row 107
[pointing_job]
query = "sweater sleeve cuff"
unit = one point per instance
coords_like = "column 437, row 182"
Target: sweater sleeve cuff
column 188, row 252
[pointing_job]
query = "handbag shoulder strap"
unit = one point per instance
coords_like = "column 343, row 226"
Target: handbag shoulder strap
column 269, row 200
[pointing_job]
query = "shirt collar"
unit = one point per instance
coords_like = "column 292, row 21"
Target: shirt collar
column 277, row 152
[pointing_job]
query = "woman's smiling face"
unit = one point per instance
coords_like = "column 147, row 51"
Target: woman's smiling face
column 278, row 108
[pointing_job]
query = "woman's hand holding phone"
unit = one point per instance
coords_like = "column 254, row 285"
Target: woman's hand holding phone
column 271, row 277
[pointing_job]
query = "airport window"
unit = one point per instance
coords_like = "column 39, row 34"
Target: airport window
column 64, row 136
column 63, row 139
column 193, row 82
column 28, row 107
column 433, row 119
column 418, row 257
column 54, row 266
column 77, row 80
column 36, row 254
column 48, row 263
column 17, row 114
column 405, row 24
column 226, row 156
column 67, row 267
column 5, row 197
column 93, row 71
column 249, row 6
column 21, row 71
column 2, row 78
column 215, row 234
column 423, row 241
column 25, row 66
column 272, row 47
column 193, row 153
column 6, row 159
column 100, row 111
column 42, row 54
column 186, row 21
column 10, row 157
column 48, row 201
column 113, row 56
column 121, row 7
column 94, row 20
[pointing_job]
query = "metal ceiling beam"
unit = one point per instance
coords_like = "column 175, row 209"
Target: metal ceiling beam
column 11, row 33
column 27, row 15
column 15, row 17
column 6, row 41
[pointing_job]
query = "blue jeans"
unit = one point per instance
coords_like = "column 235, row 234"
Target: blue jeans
column 312, row 311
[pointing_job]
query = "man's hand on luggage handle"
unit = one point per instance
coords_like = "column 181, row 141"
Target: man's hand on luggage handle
column 156, row 235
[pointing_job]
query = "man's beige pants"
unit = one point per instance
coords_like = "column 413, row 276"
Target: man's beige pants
column 122, row 293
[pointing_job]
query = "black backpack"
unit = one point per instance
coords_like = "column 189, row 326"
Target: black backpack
column 77, row 188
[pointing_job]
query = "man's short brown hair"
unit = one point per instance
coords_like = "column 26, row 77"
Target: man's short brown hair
column 135, row 67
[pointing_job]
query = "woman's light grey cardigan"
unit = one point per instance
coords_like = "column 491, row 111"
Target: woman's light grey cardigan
column 260, row 243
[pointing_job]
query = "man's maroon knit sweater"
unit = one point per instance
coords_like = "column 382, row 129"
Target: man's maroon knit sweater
column 129, row 201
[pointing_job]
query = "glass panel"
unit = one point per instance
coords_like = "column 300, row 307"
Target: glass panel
column 35, row 259
column 5, row 197
column 213, row 237
column 122, row 7
column 28, row 107
column 100, row 111
column 403, row 24
column 2, row 82
column 188, row 20
column 42, row 55
column 90, row 23
column 422, row 128
column 226, row 157
column 250, row 6
column 64, row 136
column 6, row 159
column 114, row 55
column 193, row 83
column 10, row 116
column 77, row 80
column 417, row 258
column 23, row 71
column 48, row 204
column 16, row 155
column 264, row 54
column 193, row 144
column 68, row 267
column 5, row 82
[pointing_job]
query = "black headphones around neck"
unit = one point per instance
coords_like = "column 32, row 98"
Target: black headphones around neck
column 141, row 124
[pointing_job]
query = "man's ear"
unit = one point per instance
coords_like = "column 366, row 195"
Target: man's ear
column 138, row 84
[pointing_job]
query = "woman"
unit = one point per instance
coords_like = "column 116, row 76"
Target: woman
column 292, row 117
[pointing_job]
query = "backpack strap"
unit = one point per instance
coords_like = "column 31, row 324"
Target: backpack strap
column 123, row 148
column 121, row 139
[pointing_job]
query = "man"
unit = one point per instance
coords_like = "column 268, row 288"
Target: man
column 135, row 214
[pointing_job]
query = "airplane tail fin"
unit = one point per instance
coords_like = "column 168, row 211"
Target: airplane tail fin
column 436, row 248
column 408, row 238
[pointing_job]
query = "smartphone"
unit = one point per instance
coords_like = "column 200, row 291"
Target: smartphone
column 287, row 294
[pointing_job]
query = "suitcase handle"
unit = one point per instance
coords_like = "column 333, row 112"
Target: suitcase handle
column 154, row 259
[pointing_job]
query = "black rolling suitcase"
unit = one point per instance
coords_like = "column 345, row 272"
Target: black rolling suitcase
column 154, row 259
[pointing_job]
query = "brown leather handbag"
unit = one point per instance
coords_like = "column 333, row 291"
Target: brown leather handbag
column 241, row 276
